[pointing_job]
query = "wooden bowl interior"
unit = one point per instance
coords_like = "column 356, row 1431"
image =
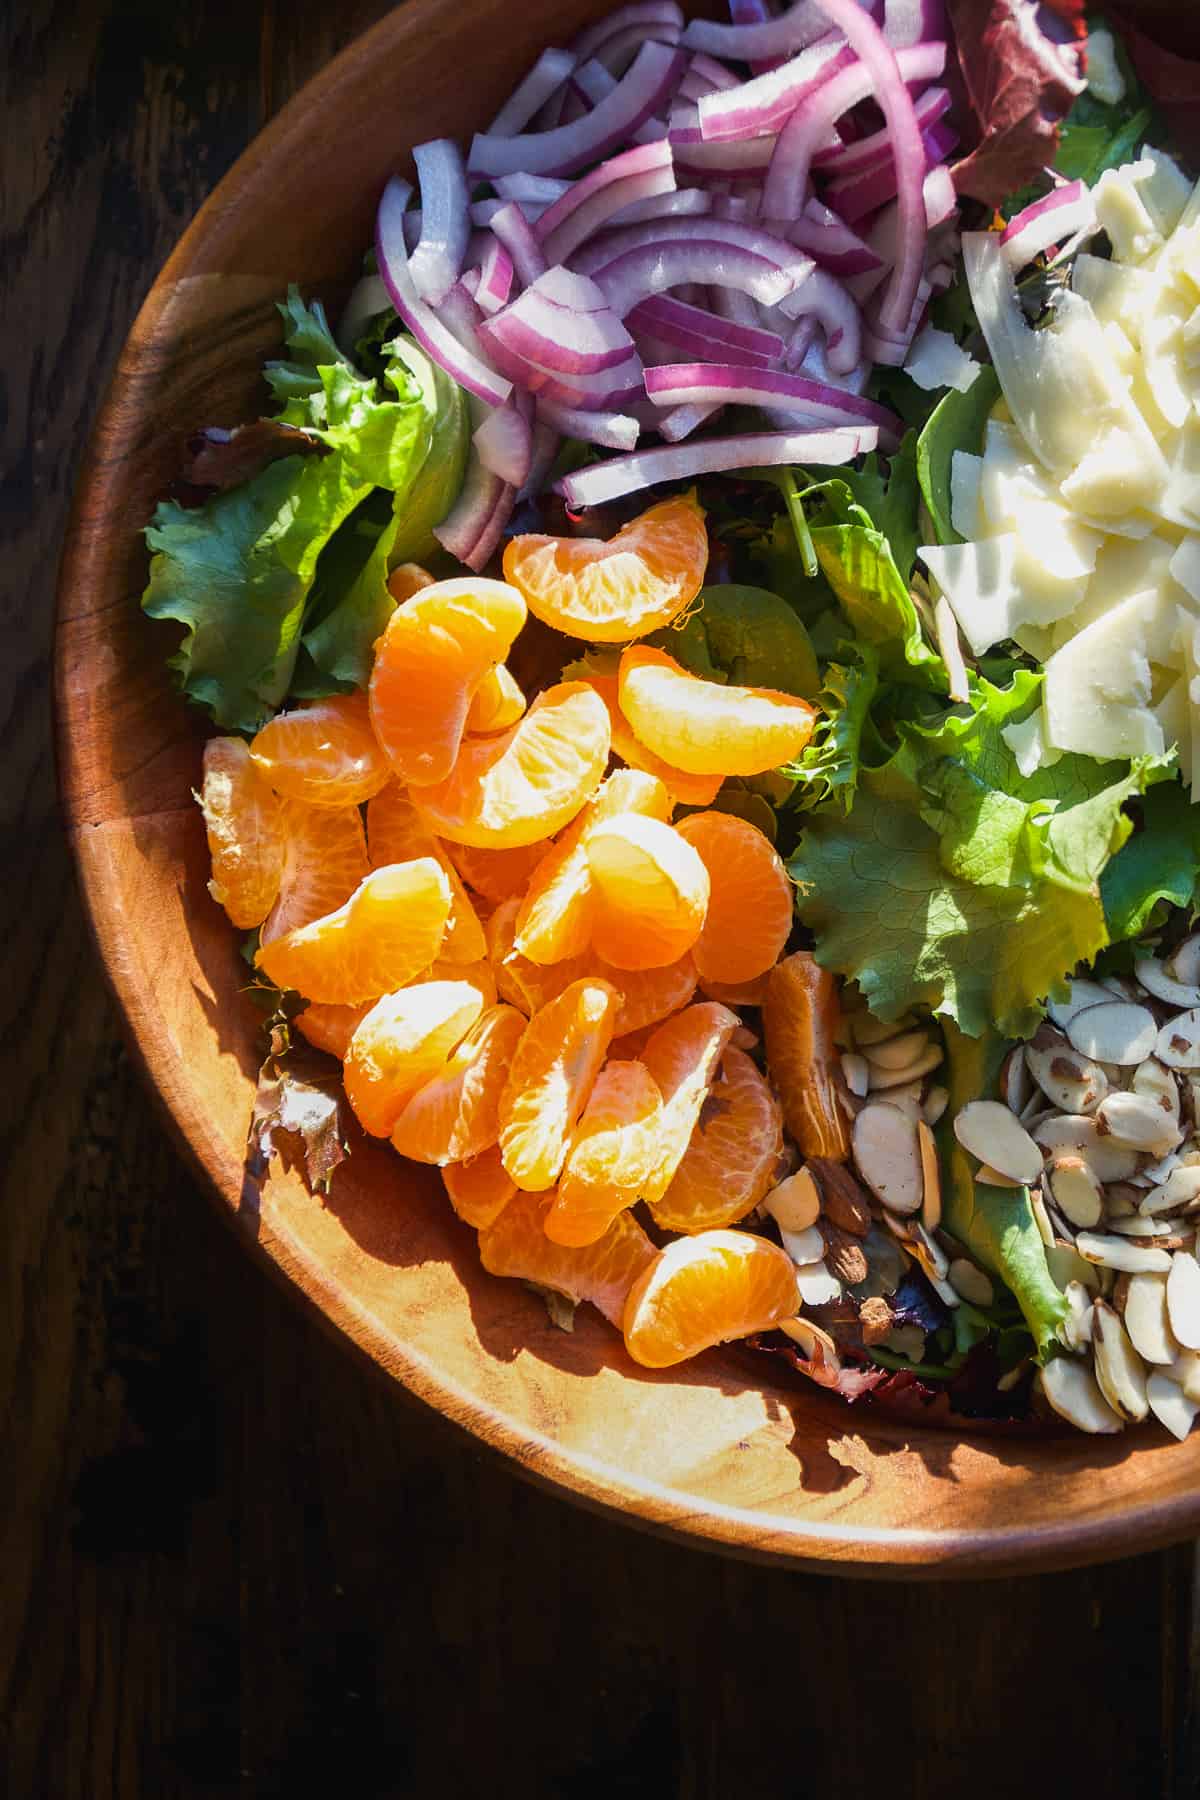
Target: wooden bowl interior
column 717, row 1450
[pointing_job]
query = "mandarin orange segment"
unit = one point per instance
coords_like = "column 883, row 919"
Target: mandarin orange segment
column 498, row 702
column 324, row 752
column 245, row 825
column 456, row 1114
column 389, row 930
column 641, row 579
column 687, row 790
column 682, row 1055
column 407, row 579
column 705, row 727
column 435, row 651
column 496, row 875
column 331, row 1027
column 480, row 974
column 801, row 1018
column 733, row 1154
column 551, row 1076
column 523, row 785
column 649, row 995
column 650, row 892
column 736, row 993
column 704, row 1290
column 396, row 833
column 612, row 1152
column 480, row 1188
column 750, row 904
column 602, row 1273
column 324, row 859
column 402, row 1041
column 555, row 920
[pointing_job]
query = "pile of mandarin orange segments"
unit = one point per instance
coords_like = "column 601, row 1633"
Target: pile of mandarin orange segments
column 528, row 965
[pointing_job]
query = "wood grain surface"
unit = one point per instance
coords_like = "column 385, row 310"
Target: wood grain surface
column 233, row 1561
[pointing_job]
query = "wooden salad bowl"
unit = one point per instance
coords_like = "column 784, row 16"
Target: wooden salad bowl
column 720, row 1451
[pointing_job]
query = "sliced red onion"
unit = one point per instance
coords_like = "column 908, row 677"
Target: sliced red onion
column 488, row 542
column 613, row 431
column 644, row 15
column 856, row 197
column 367, row 297
column 549, row 72
column 723, row 384
column 504, row 442
column 941, row 200
column 709, row 75
column 496, row 274
column 1058, row 215
column 607, row 390
column 681, row 421
column 438, row 338
column 683, row 203
column 800, row 342
column 883, row 344
column 545, row 449
column 656, row 268
column 437, row 261
column 742, row 208
column 825, row 299
column 593, row 83
column 559, row 339
column 770, row 247
column 708, row 163
column 470, row 280
column 802, row 24
column 516, row 234
column 706, row 335
column 908, row 22
column 765, row 104
column 884, row 72
column 641, row 173
column 636, row 97
column 831, row 243
column 875, row 150
column 464, row 525
column 618, row 51
column 543, row 190
column 711, row 456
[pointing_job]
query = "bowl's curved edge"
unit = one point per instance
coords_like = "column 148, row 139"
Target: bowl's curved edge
column 820, row 1547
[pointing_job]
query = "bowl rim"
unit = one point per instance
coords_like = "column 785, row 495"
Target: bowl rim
column 819, row 1546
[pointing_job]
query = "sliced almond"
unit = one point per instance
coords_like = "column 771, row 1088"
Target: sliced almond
column 1112, row 1252
column 888, row 1156
column 1183, row 964
column 856, row 1072
column 993, row 1178
column 1066, row 1265
column 934, row 1104
column 1040, row 1216
column 1122, row 987
column 1076, row 1191
column 1118, row 1031
column 1145, row 1316
column 870, row 1030
column 1119, row 1369
column 1121, row 1200
column 1178, row 1043
column 1076, row 1329
column 931, row 1178
column 1183, row 1299
column 804, row 1247
column 897, row 1052
column 1074, row 1131
column 1138, row 1121
column 1186, row 1371
column 924, row 1240
column 1074, row 1083
column 1016, row 1083
column 929, row 1268
column 1137, row 1225
column 795, row 1204
column 1180, row 1189
column 815, row 1343
column 968, row 1280
column 988, row 1130
column 1063, row 1233
column 1073, row 1392
column 913, row 1070
column 816, row 1285
column 1171, row 1406
column 1080, row 994
column 1153, row 1174
column 1157, row 981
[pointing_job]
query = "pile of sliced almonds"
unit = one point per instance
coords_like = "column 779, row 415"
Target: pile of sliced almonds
column 1099, row 1117
column 853, row 1233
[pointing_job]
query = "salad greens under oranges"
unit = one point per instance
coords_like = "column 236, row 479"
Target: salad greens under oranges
column 706, row 662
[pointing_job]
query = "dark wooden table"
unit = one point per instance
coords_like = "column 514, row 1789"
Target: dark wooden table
column 232, row 1560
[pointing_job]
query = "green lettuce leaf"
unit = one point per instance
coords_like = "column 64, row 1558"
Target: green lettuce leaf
column 307, row 336
column 956, row 882
column 827, row 770
column 995, row 1224
column 1160, row 863
column 747, row 636
column 434, row 485
column 956, row 423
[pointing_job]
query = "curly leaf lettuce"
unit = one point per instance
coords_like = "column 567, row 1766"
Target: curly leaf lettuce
column 958, row 884
column 1159, row 865
column 826, row 772
column 747, row 636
